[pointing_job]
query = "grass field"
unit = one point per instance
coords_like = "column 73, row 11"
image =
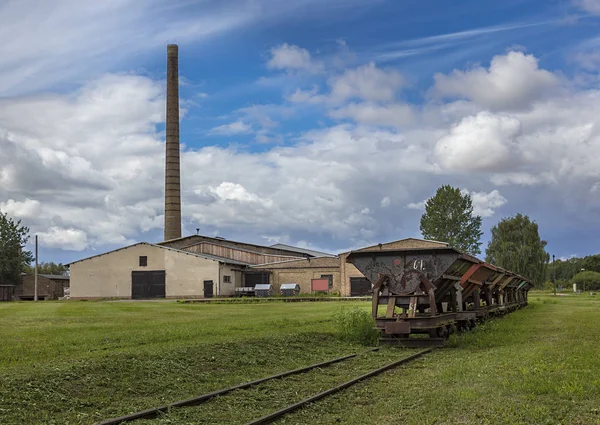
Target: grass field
column 81, row 362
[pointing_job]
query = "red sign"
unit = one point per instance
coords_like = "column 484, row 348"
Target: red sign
column 320, row 284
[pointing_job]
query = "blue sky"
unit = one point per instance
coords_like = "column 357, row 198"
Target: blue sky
column 321, row 124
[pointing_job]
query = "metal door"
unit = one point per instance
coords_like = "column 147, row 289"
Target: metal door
column 208, row 289
column 359, row 286
column 148, row 284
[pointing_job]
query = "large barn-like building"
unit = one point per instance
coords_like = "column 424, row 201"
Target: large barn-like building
column 200, row 266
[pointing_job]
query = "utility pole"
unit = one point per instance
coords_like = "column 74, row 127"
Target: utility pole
column 35, row 293
column 554, row 274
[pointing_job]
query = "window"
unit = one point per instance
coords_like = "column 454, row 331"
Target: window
column 143, row 261
column 330, row 278
column 226, row 279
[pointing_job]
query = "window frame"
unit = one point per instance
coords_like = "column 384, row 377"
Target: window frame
column 143, row 261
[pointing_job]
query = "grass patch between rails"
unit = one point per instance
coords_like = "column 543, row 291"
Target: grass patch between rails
column 81, row 362
column 539, row 365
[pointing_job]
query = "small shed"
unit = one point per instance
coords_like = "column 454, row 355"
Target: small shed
column 289, row 289
column 263, row 290
column 7, row 292
column 50, row 287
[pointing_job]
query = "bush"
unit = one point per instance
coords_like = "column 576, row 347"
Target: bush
column 357, row 326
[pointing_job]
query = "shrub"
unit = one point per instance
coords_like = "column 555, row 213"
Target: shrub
column 357, row 326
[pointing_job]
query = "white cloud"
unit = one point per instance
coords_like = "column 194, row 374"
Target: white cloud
column 85, row 164
column 228, row 191
column 484, row 142
column 291, row 57
column 366, row 82
column 513, row 81
column 27, row 209
column 417, row 205
column 368, row 113
column 385, row 202
column 237, row 127
column 485, row 204
column 65, row 239
column 592, row 6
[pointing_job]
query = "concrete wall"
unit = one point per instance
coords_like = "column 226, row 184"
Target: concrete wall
column 228, row 289
column 109, row 275
column 303, row 271
column 347, row 271
column 185, row 274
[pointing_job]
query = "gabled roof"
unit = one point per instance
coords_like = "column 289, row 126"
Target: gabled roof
column 302, row 250
column 407, row 243
column 205, row 256
column 222, row 241
column 237, row 248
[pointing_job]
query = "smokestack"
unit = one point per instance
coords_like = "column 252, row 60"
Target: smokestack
column 172, row 172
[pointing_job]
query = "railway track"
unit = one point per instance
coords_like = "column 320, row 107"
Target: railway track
column 157, row 411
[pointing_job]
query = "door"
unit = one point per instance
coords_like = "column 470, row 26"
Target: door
column 208, row 289
column 359, row 286
column 253, row 279
column 148, row 284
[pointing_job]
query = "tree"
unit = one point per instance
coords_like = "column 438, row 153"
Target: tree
column 49, row 268
column 516, row 246
column 588, row 280
column 13, row 259
column 448, row 217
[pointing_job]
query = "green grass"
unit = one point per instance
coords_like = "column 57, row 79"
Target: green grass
column 81, row 362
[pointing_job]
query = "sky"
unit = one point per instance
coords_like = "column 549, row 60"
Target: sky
column 322, row 124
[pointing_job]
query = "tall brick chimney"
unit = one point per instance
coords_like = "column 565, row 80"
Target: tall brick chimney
column 172, row 169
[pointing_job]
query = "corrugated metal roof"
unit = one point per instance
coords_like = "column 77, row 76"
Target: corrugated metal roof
column 219, row 240
column 292, row 261
column 263, row 286
column 242, row 249
column 302, row 250
column 56, row 276
column 206, row 256
column 289, row 286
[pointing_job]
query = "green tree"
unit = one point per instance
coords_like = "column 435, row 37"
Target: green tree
column 516, row 246
column 49, row 268
column 13, row 259
column 588, row 280
column 448, row 217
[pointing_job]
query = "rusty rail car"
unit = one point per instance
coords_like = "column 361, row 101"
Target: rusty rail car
column 429, row 293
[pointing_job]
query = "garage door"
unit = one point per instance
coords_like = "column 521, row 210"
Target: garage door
column 359, row 286
column 148, row 284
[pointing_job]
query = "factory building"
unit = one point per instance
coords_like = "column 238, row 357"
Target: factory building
column 145, row 270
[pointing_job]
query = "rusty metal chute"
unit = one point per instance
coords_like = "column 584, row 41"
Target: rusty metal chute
column 434, row 291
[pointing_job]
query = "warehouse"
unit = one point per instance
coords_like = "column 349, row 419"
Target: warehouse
column 146, row 270
column 345, row 279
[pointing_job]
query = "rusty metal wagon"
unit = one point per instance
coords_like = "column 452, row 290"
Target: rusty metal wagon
column 429, row 293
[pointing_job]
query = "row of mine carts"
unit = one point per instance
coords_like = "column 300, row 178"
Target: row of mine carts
column 422, row 295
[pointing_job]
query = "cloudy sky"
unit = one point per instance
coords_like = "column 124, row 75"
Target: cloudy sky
column 324, row 124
